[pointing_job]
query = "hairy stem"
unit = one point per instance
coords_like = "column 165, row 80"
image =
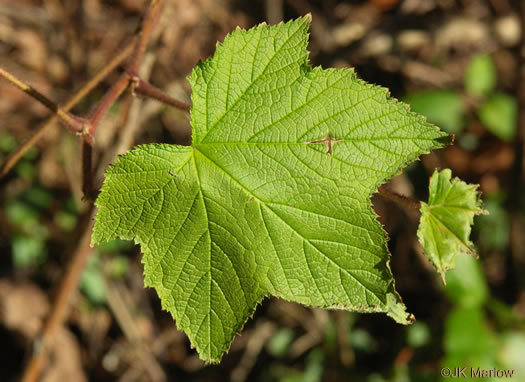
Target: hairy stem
column 399, row 199
column 144, row 89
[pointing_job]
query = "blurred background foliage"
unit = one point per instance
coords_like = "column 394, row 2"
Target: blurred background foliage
column 454, row 61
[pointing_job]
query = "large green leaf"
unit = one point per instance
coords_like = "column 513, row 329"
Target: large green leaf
column 273, row 195
column 446, row 220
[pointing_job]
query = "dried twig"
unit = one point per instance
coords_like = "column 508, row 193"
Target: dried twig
column 75, row 124
column 122, row 313
column 60, row 307
column 15, row 156
column 116, row 90
column 131, row 71
column 71, row 278
column 259, row 336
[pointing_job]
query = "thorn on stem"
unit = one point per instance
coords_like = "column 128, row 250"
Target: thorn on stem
column 85, row 131
column 135, row 83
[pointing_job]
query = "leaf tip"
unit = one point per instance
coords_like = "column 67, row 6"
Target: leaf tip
column 397, row 310
column 308, row 17
column 442, row 274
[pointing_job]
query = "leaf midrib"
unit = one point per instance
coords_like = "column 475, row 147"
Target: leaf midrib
column 264, row 204
column 442, row 224
column 209, row 239
column 253, row 81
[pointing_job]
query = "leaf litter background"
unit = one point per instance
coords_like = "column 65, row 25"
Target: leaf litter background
column 116, row 329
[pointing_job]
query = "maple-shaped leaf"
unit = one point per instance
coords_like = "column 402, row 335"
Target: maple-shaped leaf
column 273, row 196
column 446, row 220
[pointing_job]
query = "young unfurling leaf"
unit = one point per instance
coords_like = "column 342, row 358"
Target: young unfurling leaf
column 446, row 220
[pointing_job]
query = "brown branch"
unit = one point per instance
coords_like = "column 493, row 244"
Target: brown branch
column 75, row 124
column 122, row 314
column 399, row 199
column 114, row 93
column 74, row 271
column 145, row 89
column 118, row 88
column 111, row 96
column 149, row 22
column 29, row 90
column 15, row 156
column 81, row 125
column 61, row 305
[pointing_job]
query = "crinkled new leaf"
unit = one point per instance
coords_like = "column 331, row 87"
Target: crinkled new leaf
column 446, row 220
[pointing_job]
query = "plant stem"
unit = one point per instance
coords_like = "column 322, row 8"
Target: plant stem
column 15, row 156
column 147, row 27
column 65, row 292
column 74, row 271
column 76, row 125
column 145, row 89
column 118, row 88
column 398, row 198
column 111, row 96
column 87, row 171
